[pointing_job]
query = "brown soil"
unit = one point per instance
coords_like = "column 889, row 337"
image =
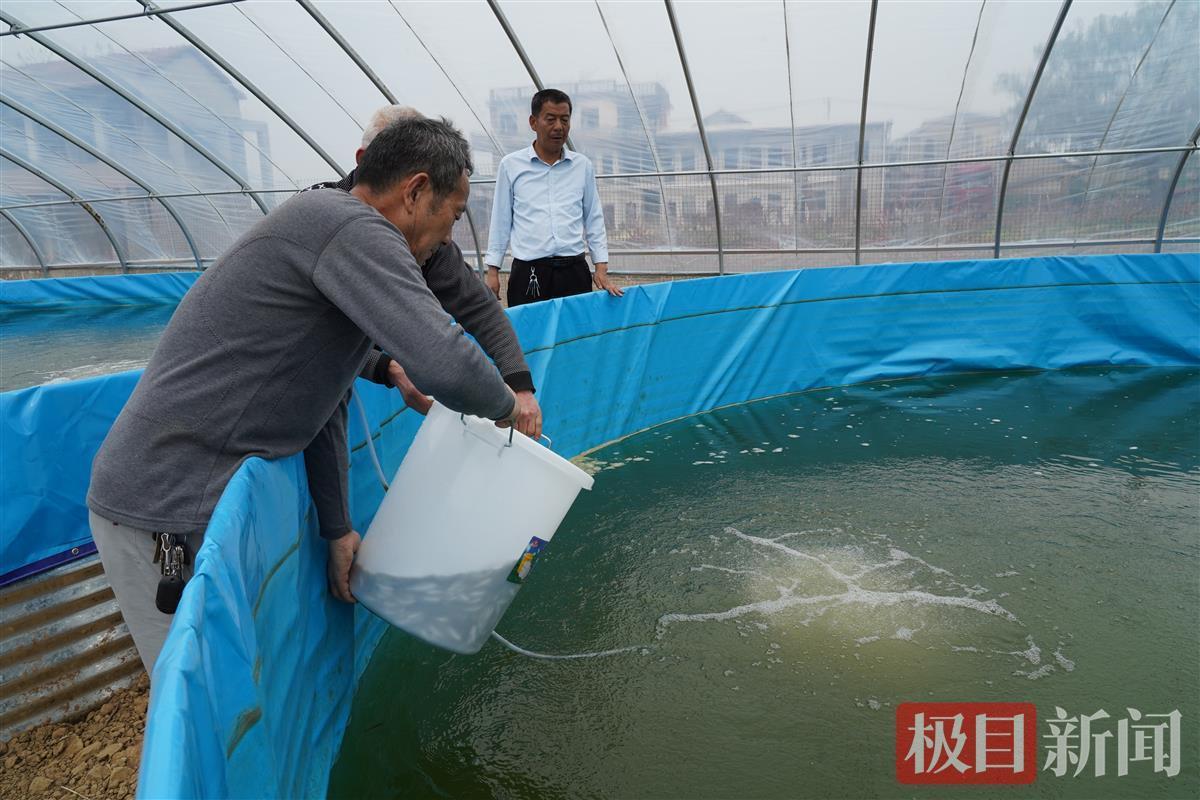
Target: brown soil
column 95, row 756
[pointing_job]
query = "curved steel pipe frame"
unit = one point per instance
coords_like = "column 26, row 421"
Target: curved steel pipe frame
column 185, row 137
column 62, row 187
column 712, row 178
column 1183, row 157
column 92, row 151
column 1012, row 146
column 862, row 132
column 166, row 15
column 37, row 251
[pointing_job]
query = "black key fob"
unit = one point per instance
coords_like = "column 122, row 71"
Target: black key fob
column 170, row 589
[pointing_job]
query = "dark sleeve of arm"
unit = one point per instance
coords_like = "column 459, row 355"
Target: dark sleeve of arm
column 375, row 367
column 327, row 462
column 476, row 309
column 367, row 271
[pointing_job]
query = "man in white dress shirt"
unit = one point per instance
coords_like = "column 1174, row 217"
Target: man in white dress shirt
column 548, row 209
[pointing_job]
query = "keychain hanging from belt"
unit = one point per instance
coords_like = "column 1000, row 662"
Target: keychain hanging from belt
column 170, row 555
column 533, row 289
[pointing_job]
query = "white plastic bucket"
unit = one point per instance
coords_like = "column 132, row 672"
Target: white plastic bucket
column 456, row 534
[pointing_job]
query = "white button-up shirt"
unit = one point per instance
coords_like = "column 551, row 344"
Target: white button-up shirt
column 546, row 209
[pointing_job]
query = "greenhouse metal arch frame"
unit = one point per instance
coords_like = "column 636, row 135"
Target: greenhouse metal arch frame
column 223, row 152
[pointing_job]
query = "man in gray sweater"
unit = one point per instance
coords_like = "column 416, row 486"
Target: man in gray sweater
column 258, row 358
column 462, row 295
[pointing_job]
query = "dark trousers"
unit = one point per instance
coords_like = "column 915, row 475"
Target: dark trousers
column 547, row 278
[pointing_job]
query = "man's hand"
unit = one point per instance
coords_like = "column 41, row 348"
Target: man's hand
column 602, row 281
column 341, row 556
column 413, row 397
column 525, row 417
column 492, row 279
column 529, row 415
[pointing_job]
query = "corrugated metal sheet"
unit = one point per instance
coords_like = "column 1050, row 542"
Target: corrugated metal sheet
column 63, row 646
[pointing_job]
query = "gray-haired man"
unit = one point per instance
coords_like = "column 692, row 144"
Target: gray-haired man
column 463, row 296
column 258, row 358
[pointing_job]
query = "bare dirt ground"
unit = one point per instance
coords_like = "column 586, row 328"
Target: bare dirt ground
column 95, row 756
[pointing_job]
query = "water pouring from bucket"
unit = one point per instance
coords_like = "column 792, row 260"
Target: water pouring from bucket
column 469, row 511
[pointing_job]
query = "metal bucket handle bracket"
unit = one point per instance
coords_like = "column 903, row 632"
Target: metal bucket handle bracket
column 549, row 442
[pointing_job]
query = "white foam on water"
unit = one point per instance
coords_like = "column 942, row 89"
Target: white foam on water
column 897, row 555
column 809, row 532
column 918, row 597
column 852, row 594
column 731, row 571
column 1064, row 662
column 814, row 578
column 1040, row 672
column 786, row 600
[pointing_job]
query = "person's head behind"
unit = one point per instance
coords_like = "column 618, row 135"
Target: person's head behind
column 380, row 120
column 550, row 119
column 415, row 171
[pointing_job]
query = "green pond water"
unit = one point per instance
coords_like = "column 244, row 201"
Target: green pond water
column 798, row 567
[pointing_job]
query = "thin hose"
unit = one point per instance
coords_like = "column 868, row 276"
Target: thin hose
column 362, row 413
column 549, row 657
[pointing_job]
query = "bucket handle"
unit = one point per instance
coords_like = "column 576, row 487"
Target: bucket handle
column 549, row 442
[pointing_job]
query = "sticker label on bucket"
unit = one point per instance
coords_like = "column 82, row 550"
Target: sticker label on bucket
column 525, row 563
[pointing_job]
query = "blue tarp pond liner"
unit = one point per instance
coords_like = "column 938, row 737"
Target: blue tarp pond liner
column 101, row 291
column 51, row 433
column 253, row 689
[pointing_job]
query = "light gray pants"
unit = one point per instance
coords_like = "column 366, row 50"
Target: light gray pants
column 128, row 558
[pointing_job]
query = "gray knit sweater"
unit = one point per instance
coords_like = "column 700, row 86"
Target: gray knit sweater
column 257, row 360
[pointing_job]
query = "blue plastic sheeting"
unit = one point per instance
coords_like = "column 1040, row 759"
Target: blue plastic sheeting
column 612, row 367
column 258, row 673
column 49, row 434
column 224, row 716
column 251, row 695
column 48, row 438
column 256, row 678
column 105, row 290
